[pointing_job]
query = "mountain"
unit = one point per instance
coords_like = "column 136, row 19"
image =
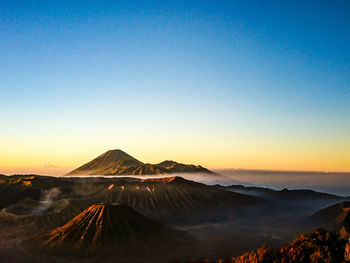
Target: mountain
column 177, row 200
column 216, row 217
column 117, row 162
column 102, row 230
column 172, row 200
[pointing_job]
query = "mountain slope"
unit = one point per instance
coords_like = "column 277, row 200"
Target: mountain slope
column 117, row 162
column 103, row 230
column 335, row 217
column 177, row 200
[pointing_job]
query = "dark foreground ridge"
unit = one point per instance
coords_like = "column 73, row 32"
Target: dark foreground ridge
column 318, row 246
column 117, row 162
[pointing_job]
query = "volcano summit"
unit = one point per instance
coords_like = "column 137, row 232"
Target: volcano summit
column 117, row 162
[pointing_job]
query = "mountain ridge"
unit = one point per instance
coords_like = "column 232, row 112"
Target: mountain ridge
column 118, row 162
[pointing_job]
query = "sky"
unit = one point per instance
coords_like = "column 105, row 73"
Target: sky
column 224, row 84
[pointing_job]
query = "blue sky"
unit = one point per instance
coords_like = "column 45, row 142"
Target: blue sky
column 225, row 83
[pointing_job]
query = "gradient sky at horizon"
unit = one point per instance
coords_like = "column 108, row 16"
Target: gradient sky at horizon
column 224, row 84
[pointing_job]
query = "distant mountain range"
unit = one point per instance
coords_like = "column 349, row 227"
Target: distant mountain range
column 285, row 195
column 117, row 162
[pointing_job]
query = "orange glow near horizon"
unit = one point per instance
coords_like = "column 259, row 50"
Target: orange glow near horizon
column 60, row 163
